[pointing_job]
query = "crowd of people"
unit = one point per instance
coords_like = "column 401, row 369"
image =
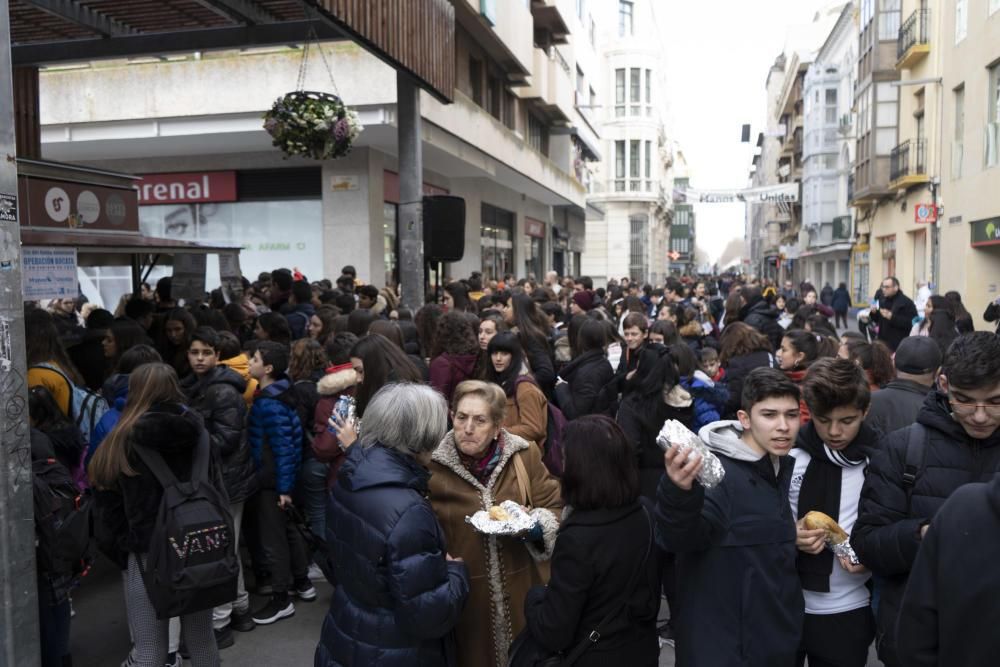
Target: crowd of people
column 320, row 430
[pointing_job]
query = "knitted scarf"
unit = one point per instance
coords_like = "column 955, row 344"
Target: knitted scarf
column 821, row 486
column 482, row 467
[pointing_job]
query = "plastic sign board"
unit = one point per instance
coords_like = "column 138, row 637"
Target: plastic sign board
column 924, row 214
column 48, row 273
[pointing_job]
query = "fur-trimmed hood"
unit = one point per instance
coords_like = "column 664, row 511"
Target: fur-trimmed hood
column 337, row 382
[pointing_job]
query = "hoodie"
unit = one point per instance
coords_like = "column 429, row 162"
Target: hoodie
column 449, row 370
column 241, row 364
column 735, row 546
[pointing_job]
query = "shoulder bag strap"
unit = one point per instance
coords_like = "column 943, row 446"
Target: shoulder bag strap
column 914, row 460
column 154, row 461
column 595, row 634
column 521, row 475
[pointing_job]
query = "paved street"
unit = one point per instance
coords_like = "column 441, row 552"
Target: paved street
column 100, row 633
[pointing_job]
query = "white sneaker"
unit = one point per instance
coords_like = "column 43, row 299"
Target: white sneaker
column 316, row 574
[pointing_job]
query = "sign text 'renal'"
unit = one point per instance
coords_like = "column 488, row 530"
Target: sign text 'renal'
column 192, row 188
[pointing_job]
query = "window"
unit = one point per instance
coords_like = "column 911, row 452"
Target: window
column 634, row 90
column 886, row 113
column 830, row 115
column 580, row 8
column 593, row 32
column 581, row 86
column 961, row 19
column 593, row 98
column 509, row 110
column 958, row 140
column 538, row 135
column 649, row 163
column 633, row 164
column 649, row 92
column 638, row 268
column 476, row 80
column 888, row 20
column 993, row 118
column 619, row 166
column 994, row 6
column 625, row 25
column 494, row 92
column 619, row 92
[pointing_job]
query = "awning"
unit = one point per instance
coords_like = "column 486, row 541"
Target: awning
column 826, row 250
column 116, row 244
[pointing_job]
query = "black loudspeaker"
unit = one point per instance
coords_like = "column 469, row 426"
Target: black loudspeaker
column 444, row 228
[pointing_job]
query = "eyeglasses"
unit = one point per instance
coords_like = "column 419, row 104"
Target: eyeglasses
column 969, row 409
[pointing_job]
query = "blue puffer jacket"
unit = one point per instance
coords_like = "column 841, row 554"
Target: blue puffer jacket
column 275, row 435
column 398, row 596
column 710, row 399
column 115, row 392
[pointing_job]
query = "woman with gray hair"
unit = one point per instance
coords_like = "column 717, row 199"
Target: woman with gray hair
column 400, row 593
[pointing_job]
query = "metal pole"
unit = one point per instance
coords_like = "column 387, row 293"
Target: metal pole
column 19, row 606
column 411, row 207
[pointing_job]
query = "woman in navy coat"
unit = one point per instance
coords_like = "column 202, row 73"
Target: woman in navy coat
column 400, row 593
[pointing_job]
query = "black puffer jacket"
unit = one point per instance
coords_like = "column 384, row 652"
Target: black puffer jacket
column 218, row 397
column 584, row 392
column 126, row 513
column 763, row 317
column 892, row 331
column 887, row 533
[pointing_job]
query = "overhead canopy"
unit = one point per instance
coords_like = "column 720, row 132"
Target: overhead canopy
column 117, row 244
column 415, row 36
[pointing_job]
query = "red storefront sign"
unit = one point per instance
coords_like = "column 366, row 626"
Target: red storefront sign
column 924, row 214
column 193, row 188
column 534, row 228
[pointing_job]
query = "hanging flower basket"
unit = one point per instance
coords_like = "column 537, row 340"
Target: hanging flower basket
column 310, row 124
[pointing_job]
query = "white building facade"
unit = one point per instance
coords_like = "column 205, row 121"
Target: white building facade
column 828, row 156
column 632, row 183
column 515, row 143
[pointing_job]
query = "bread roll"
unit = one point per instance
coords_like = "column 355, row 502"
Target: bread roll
column 834, row 533
column 498, row 513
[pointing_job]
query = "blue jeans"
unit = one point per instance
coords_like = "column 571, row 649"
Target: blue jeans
column 311, row 489
column 53, row 623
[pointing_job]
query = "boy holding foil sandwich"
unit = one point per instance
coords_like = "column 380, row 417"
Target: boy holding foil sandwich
column 739, row 597
column 831, row 454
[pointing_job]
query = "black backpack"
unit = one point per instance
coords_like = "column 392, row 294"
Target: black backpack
column 63, row 524
column 192, row 562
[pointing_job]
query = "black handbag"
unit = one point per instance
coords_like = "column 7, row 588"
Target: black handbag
column 526, row 652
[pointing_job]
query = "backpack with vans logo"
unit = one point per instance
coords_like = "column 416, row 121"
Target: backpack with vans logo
column 63, row 550
column 85, row 406
column 192, row 563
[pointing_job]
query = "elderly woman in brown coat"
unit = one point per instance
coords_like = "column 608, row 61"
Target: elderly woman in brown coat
column 479, row 464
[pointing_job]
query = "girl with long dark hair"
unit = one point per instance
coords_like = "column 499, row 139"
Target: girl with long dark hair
column 527, row 408
column 48, row 364
column 527, row 320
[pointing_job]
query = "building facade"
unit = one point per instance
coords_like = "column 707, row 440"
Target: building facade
column 828, row 156
column 516, row 144
column 633, row 181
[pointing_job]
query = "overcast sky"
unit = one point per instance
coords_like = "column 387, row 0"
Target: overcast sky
column 718, row 54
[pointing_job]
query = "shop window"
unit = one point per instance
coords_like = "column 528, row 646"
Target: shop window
column 496, row 242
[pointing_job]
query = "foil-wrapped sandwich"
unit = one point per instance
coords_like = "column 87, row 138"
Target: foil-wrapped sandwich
column 676, row 433
column 507, row 518
column 837, row 540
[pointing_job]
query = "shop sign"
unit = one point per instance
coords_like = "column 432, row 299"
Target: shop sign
column 48, row 273
column 68, row 205
column 534, row 228
column 985, row 232
column 924, row 214
column 192, row 188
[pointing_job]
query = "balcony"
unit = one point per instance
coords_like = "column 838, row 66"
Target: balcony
column 913, row 43
column 908, row 164
column 550, row 25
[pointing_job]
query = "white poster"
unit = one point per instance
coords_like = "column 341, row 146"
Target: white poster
column 232, row 279
column 786, row 193
column 48, row 273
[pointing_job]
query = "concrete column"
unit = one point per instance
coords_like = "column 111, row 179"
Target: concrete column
column 411, row 208
column 352, row 216
column 19, row 605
